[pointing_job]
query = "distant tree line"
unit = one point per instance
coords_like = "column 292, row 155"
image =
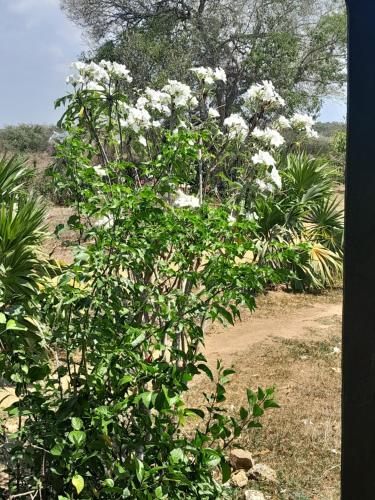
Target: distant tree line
column 25, row 138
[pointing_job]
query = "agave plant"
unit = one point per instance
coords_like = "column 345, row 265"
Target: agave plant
column 21, row 233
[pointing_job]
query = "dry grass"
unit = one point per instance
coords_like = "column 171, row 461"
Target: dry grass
column 301, row 440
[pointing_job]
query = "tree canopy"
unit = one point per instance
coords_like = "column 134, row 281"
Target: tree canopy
column 299, row 45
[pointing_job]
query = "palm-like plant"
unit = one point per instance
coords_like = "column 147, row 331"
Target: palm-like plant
column 21, row 233
column 305, row 214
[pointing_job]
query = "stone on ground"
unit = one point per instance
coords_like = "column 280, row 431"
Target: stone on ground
column 253, row 495
column 239, row 478
column 241, row 459
column 262, row 472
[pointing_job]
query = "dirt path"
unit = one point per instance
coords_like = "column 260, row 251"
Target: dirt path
column 293, row 318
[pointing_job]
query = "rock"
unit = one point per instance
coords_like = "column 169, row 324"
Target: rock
column 241, row 459
column 262, row 472
column 239, row 478
column 253, row 495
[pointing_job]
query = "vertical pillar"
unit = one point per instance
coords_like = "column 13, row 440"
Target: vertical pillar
column 358, row 458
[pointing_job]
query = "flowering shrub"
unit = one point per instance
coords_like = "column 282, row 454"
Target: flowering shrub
column 104, row 416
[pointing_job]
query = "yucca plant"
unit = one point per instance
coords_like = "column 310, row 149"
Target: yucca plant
column 14, row 174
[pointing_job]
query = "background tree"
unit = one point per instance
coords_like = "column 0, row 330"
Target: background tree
column 299, row 45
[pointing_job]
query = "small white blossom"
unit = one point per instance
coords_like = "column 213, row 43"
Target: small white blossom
column 275, row 176
column 237, row 126
column 158, row 100
column 269, row 136
column 264, row 186
column 219, row 74
column 304, row 123
column 99, row 170
column 180, row 93
column 283, row 123
column 209, row 75
column 142, row 140
column 183, row 200
column 231, row 219
column 213, row 113
column 263, row 158
column 264, row 93
column 137, row 119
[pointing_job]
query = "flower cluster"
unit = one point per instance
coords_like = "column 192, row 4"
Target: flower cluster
column 303, row 123
column 95, row 76
column 180, row 94
column 237, row 127
column 208, row 75
column 182, row 200
column 263, row 93
column 269, row 136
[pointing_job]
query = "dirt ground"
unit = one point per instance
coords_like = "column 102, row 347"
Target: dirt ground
column 292, row 342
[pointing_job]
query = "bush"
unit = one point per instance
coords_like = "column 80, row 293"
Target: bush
column 101, row 410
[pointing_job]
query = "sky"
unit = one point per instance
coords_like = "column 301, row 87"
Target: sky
column 37, row 45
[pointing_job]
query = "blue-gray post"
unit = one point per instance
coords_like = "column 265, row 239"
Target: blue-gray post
column 358, row 458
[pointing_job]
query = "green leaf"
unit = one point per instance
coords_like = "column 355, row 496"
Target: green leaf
column 57, row 449
column 78, row 482
column 225, row 471
column 125, row 380
column 159, row 492
column 77, row 423
column 139, row 470
column 78, row 438
column 138, row 340
column 270, row 403
column 109, row 482
column 15, row 325
column 204, row 368
column 177, row 455
column 257, row 411
column 3, row 319
column 243, row 413
column 261, row 394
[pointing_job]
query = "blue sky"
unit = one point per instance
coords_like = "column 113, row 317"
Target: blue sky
column 37, row 44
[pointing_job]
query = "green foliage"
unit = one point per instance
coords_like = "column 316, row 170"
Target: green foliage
column 304, row 213
column 25, row 138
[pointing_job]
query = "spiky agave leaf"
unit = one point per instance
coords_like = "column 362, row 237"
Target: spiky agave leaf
column 21, row 233
column 14, row 174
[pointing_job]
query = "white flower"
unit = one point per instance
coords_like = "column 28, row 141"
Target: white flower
column 179, row 92
column 183, row 200
column 213, row 113
column 142, row 140
column 231, row 219
column 269, row 136
column 141, row 102
column 158, row 100
column 283, row 123
column 263, row 158
column 204, row 74
column 208, row 75
column 106, row 222
column 57, row 137
column 264, row 93
column 137, row 119
column 304, row 123
column 252, row 216
column 275, row 176
column 219, row 74
column 237, row 126
column 300, row 120
column 99, row 170
column 264, row 186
